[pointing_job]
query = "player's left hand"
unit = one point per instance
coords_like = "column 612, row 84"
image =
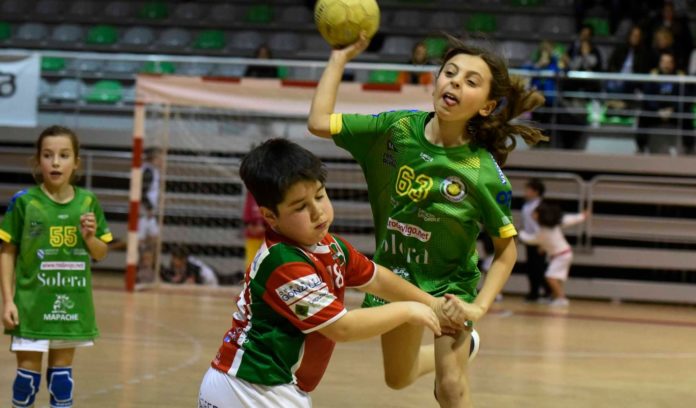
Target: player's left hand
column 88, row 225
column 459, row 311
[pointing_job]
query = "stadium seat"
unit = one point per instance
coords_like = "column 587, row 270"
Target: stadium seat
column 174, row 38
column 406, row 19
column 210, row 40
column 83, row 8
column 49, row 7
column 526, row 3
column 86, row 66
column 10, row 7
column 304, row 73
column 517, row 52
column 102, row 35
column 128, row 94
column 5, row 30
column 188, row 11
column 138, row 37
column 119, row 67
column 558, row 25
column 515, row 24
column 118, row 9
column 316, row 44
column 223, row 13
column 482, row 22
column 67, row 90
column 44, row 89
column 31, row 32
column 397, row 46
column 67, row 33
column 105, row 91
column 600, row 25
column 194, row 69
column 382, row 76
column 295, row 15
column 52, row 64
column 436, row 47
column 445, row 20
column 285, row 42
column 259, row 14
column 158, row 67
column 154, row 10
column 246, row 40
column 229, row 70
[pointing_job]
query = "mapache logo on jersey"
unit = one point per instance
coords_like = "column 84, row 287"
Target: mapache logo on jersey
column 408, row 230
column 61, row 309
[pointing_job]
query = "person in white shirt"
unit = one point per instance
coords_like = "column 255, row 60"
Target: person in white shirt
column 536, row 262
column 551, row 240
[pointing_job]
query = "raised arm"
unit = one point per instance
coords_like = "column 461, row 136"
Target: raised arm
column 324, row 101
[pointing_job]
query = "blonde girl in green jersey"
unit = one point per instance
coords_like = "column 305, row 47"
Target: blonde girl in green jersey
column 49, row 233
column 432, row 178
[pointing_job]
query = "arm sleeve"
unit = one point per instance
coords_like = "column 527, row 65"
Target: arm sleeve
column 103, row 232
column 360, row 271
column 358, row 133
column 495, row 195
column 296, row 292
column 11, row 227
column 528, row 238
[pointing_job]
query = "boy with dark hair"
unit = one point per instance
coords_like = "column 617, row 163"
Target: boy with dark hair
column 291, row 309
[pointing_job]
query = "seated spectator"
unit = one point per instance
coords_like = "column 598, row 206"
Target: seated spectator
column 678, row 26
column 583, row 55
column 632, row 57
column 419, row 57
column 663, row 42
column 262, row 71
column 660, row 114
column 185, row 268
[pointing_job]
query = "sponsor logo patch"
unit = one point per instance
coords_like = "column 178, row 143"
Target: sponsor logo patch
column 453, row 189
column 62, row 266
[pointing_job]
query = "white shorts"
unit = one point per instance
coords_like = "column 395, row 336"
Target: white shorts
column 219, row 390
column 24, row 344
column 559, row 266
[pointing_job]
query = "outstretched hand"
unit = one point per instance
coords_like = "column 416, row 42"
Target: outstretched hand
column 449, row 325
column 425, row 316
column 351, row 51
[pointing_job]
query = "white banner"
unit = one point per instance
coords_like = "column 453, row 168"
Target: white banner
column 19, row 88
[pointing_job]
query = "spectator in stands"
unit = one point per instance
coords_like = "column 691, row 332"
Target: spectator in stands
column 663, row 42
column 678, row 26
column 262, row 71
column 582, row 54
column 661, row 114
column 550, row 239
column 185, row 268
column 536, row 264
column 632, row 57
column 419, row 57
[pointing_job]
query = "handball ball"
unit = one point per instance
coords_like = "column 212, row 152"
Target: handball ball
column 341, row 21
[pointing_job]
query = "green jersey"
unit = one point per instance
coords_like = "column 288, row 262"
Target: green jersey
column 53, row 283
column 428, row 202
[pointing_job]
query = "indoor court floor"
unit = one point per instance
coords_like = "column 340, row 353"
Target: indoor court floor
column 156, row 345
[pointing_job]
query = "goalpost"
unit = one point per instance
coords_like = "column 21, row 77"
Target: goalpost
column 189, row 136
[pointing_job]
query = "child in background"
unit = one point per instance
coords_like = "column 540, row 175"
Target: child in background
column 432, row 178
column 550, row 239
column 536, row 264
column 50, row 232
column 291, row 310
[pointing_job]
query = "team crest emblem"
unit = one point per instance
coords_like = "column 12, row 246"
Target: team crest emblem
column 337, row 254
column 40, row 253
column 453, row 189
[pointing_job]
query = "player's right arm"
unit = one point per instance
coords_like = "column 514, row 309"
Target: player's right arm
column 10, row 316
column 364, row 323
column 324, row 101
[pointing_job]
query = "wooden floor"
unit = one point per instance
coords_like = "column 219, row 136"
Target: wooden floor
column 155, row 347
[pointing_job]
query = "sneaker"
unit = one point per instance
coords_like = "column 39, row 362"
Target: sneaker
column 475, row 344
column 560, row 302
